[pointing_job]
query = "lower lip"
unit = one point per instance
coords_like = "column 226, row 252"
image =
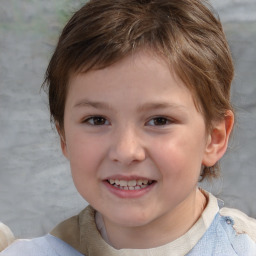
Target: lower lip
column 129, row 193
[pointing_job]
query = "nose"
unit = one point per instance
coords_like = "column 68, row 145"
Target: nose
column 126, row 147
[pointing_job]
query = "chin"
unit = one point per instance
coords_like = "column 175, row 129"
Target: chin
column 130, row 218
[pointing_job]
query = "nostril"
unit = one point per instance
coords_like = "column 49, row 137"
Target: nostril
column 127, row 155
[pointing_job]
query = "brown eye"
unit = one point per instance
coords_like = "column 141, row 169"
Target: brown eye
column 97, row 120
column 158, row 121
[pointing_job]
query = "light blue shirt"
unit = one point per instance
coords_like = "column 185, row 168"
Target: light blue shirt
column 42, row 246
column 219, row 240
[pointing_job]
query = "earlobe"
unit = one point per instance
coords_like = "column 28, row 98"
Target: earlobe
column 63, row 146
column 62, row 140
column 217, row 142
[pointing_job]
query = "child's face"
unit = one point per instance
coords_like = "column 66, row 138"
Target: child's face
column 131, row 122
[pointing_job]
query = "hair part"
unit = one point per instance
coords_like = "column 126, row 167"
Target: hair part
column 185, row 33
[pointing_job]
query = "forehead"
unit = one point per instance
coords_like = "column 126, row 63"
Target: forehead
column 146, row 62
column 142, row 75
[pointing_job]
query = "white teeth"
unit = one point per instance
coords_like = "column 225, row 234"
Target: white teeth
column 123, row 183
column 131, row 184
column 139, row 182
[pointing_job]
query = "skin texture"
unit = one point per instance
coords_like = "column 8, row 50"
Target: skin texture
column 147, row 127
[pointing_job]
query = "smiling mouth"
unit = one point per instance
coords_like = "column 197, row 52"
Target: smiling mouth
column 130, row 184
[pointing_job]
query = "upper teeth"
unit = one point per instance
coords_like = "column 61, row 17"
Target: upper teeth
column 130, row 183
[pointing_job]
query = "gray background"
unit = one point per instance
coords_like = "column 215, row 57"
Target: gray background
column 36, row 189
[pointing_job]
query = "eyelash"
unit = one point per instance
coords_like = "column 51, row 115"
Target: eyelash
column 103, row 121
column 91, row 121
column 163, row 121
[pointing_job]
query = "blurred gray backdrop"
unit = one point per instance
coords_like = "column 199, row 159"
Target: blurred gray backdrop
column 36, row 189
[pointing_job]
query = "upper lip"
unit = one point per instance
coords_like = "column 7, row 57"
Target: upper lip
column 127, row 178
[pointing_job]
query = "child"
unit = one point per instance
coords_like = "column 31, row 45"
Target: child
column 139, row 93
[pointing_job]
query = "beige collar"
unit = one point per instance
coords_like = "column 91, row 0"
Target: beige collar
column 81, row 233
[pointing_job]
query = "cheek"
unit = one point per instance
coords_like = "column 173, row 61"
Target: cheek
column 84, row 165
column 178, row 156
column 85, row 155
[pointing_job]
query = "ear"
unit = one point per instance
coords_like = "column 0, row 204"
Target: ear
column 218, row 138
column 62, row 140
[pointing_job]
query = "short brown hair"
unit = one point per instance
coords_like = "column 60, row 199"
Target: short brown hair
column 185, row 32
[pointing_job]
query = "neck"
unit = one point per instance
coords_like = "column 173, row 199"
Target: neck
column 162, row 230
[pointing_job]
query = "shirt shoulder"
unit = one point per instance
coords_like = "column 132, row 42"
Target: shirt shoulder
column 68, row 231
column 243, row 224
column 6, row 236
column 42, row 246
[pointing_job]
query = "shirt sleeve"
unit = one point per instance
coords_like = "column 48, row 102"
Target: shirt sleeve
column 6, row 236
column 243, row 224
column 43, row 246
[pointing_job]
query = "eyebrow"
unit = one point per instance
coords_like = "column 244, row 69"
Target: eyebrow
column 141, row 108
column 94, row 104
column 160, row 105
